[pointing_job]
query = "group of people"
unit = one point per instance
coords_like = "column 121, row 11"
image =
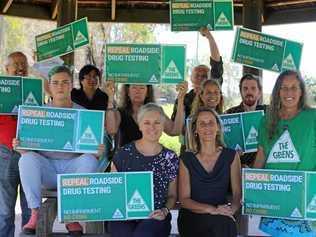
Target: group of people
column 205, row 178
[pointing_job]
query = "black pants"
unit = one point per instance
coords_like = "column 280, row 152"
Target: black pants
column 205, row 225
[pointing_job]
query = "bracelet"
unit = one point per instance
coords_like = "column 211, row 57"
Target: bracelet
column 168, row 210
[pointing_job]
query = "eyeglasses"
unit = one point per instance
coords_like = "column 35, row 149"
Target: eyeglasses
column 62, row 83
column 89, row 77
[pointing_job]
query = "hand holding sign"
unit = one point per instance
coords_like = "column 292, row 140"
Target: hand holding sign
column 109, row 89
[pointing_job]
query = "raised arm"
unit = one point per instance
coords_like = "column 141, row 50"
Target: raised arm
column 214, row 51
column 174, row 128
column 112, row 116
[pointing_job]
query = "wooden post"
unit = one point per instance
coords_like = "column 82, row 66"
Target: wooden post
column 252, row 18
column 67, row 12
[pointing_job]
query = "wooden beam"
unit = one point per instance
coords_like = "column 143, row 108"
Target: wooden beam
column 5, row 5
column 113, row 8
column 28, row 11
column 289, row 3
column 54, row 7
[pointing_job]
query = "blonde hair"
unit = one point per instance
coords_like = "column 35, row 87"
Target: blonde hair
column 197, row 102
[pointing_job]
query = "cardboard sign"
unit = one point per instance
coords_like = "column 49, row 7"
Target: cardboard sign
column 15, row 91
column 105, row 196
column 258, row 50
column 59, row 129
column 63, row 40
column 191, row 15
column 145, row 63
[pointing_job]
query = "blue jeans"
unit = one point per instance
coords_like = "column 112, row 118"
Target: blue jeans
column 9, row 182
column 44, row 172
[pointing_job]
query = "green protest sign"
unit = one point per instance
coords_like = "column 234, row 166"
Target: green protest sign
column 145, row 63
column 63, row 40
column 15, row 91
column 58, row 129
column 267, row 192
column 241, row 130
column 105, row 196
column 258, row 50
column 173, row 64
column 191, row 15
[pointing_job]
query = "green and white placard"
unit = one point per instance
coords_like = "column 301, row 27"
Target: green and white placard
column 241, row 130
column 285, row 194
column 15, row 91
column 63, row 40
column 105, row 196
column 263, row 51
column 60, row 129
column 191, row 15
column 145, row 63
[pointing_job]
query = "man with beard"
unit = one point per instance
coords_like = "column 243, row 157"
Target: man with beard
column 251, row 92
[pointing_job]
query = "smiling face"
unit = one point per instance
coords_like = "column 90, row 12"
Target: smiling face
column 290, row 92
column 206, row 127
column 90, row 81
column 151, row 125
column 137, row 93
column 17, row 65
column 199, row 74
column 250, row 92
column 211, row 95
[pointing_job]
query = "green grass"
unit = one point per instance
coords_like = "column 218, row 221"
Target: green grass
column 168, row 141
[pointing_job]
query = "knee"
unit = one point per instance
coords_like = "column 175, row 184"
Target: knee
column 86, row 163
column 28, row 161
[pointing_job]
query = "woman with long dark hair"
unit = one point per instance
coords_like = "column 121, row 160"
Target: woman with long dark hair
column 286, row 144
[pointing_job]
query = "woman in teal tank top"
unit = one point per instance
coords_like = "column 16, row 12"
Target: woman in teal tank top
column 287, row 141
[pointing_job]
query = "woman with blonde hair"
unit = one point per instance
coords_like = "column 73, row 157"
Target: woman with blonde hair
column 147, row 154
column 204, row 176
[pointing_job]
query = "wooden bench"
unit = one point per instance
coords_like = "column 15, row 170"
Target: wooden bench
column 48, row 214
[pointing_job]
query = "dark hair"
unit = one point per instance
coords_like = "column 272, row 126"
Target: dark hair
column 273, row 116
column 125, row 101
column 249, row 76
column 86, row 69
column 59, row 69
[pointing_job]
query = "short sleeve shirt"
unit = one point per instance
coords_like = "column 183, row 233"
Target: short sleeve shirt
column 293, row 147
column 164, row 165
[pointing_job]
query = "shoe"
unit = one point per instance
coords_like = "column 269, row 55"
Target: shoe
column 30, row 227
column 74, row 228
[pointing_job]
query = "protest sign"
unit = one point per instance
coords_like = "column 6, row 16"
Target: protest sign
column 15, row 91
column 60, row 129
column 241, row 130
column 105, row 196
column 191, row 15
column 145, row 63
column 63, row 40
column 263, row 51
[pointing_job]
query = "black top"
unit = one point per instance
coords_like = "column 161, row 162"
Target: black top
column 98, row 102
column 129, row 130
column 209, row 187
column 164, row 165
column 246, row 158
column 216, row 74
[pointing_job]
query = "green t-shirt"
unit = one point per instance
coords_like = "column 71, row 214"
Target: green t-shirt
column 293, row 147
